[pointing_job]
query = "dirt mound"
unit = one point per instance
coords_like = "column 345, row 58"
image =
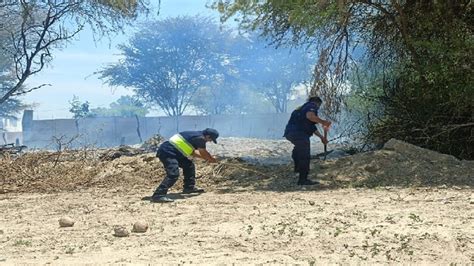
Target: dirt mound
column 397, row 164
column 401, row 164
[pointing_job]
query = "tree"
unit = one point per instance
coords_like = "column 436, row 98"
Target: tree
column 80, row 109
column 422, row 49
column 252, row 63
column 319, row 25
column 225, row 93
column 219, row 99
column 35, row 28
column 167, row 61
column 125, row 106
column 384, row 30
column 274, row 72
column 12, row 106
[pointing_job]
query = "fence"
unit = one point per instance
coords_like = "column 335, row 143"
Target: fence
column 114, row 131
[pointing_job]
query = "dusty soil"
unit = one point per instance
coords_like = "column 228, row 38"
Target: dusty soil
column 399, row 204
column 429, row 225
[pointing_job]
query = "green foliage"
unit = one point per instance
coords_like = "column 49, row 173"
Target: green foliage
column 287, row 21
column 127, row 8
column 80, row 109
column 416, row 57
column 125, row 106
column 319, row 25
column 430, row 102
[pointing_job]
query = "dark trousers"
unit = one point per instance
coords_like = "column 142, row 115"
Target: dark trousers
column 172, row 165
column 301, row 153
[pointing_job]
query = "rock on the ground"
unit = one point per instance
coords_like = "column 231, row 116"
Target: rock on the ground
column 140, row 227
column 121, row 232
column 66, row 221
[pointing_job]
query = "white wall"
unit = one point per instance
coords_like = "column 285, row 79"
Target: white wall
column 114, row 131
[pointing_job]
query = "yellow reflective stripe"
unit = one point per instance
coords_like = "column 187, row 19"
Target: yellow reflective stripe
column 182, row 145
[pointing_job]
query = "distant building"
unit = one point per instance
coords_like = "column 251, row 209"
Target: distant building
column 10, row 131
column 10, row 124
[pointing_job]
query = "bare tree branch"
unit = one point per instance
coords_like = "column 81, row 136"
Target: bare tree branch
column 29, row 90
column 43, row 26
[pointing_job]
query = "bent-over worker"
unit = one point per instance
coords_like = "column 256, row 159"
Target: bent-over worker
column 176, row 153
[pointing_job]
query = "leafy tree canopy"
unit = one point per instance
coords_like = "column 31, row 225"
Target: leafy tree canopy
column 80, row 109
column 125, row 106
column 167, row 61
column 421, row 54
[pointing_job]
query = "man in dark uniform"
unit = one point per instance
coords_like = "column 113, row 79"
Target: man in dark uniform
column 176, row 153
column 300, row 127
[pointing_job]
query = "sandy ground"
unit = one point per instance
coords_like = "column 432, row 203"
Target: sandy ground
column 262, row 151
column 400, row 204
column 384, row 225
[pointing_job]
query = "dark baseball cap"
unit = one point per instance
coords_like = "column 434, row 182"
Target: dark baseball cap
column 212, row 133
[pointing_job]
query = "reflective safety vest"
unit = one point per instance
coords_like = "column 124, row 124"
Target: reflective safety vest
column 181, row 144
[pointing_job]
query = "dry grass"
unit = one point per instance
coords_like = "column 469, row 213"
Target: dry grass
column 402, row 165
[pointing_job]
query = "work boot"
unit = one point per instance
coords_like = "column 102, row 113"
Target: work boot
column 307, row 182
column 189, row 190
column 161, row 199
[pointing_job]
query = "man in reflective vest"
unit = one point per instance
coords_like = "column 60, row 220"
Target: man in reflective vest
column 176, row 153
column 300, row 127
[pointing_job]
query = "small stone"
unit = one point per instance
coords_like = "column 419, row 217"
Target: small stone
column 140, row 227
column 1, row 232
column 121, row 232
column 66, row 222
column 311, row 202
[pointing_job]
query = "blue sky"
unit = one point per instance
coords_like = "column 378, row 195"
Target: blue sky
column 71, row 71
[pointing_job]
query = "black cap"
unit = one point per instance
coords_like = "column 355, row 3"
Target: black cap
column 212, row 133
column 315, row 99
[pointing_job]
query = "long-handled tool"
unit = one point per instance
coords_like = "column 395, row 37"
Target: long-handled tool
column 325, row 129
